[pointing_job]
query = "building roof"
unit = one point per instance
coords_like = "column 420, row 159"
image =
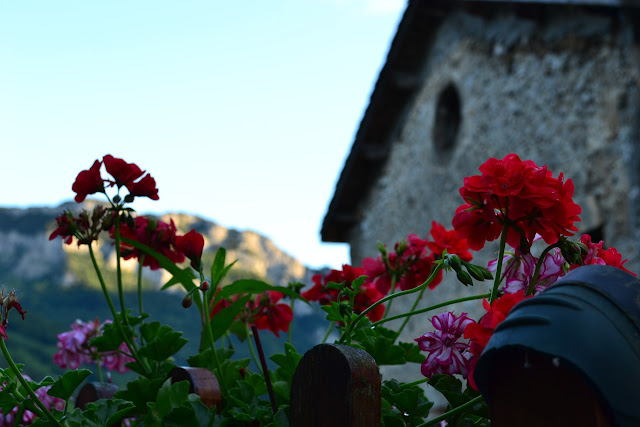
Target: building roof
column 398, row 82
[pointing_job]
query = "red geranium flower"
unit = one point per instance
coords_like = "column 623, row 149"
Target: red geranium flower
column 519, row 194
column 480, row 333
column 191, row 245
column 85, row 227
column 596, row 254
column 409, row 263
column 366, row 297
column 272, row 315
column 368, row 293
column 157, row 234
column 88, row 182
column 66, row 229
column 443, row 239
column 146, row 187
column 123, row 173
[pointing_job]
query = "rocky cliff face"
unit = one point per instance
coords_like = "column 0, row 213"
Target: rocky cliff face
column 27, row 254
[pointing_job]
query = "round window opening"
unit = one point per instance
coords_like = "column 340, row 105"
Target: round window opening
column 447, row 119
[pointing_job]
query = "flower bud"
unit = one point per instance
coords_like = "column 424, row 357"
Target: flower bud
column 345, row 309
column 401, row 247
column 128, row 198
column 187, row 301
column 454, row 262
column 464, row 277
column 382, row 249
column 204, row 286
column 116, row 199
column 475, row 272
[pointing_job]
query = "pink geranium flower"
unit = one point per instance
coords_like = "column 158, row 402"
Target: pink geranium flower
column 519, row 269
column 74, row 349
column 28, row 417
column 447, row 355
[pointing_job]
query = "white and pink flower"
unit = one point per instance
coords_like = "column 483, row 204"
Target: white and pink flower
column 447, row 354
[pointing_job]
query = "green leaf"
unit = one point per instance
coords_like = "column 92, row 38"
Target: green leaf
column 357, row 283
column 110, row 339
column 250, row 286
column 379, row 343
column 451, row 389
column 287, row 362
column 180, row 275
column 171, row 396
column 108, row 412
column 140, row 391
column 334, row 314
column 412, row 352
column 7, row 401
column 409, row 400
column 162, row 341
column 222, row 321
column 218, row 269
column 67, row 383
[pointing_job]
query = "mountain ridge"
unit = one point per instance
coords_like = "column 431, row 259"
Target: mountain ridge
column 27, row 252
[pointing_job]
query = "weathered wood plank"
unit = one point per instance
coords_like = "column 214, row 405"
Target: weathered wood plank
column 336, row 385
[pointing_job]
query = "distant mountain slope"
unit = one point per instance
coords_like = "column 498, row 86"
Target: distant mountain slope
column 26, row 252
column 57, row 283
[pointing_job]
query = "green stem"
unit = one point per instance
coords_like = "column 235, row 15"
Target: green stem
column 433, row 307
column 536, row 272
column 452, row 412
column 209, row 332
column 130, row 346
column 329, row 329
column 406, row 319
column 394, row 281
column 103, row 285
column 424, row 380
column 26, row 386
column 434, row 273
column 141, row 260
column 99, row 366
column 20, row 413
column 496, row 283
column 140, row 308
column 290, row 335
column 119, row 270
column 252, row 350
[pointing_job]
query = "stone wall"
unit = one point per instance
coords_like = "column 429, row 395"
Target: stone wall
column 560, row 89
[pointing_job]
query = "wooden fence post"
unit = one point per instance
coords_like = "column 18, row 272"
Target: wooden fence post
column 336, row 386
column 93, row 391
column 201, row 382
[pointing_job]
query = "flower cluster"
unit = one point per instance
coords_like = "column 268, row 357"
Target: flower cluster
column 367, row 295
column 74, row 349
column 123, row 174
column 86, row 227
column 520, row 196
column 520, row 268
column 596, row 254
column 264, row 312
column 268, row 313
column 28, row 417
column 156, row 234
column 8, row 302
column 527, row 204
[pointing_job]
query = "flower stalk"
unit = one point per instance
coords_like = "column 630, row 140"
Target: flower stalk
column 41, row 406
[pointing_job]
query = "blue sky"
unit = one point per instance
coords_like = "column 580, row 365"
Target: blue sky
column 243, row 111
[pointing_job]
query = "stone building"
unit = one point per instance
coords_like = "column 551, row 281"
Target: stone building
column 554, row 81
